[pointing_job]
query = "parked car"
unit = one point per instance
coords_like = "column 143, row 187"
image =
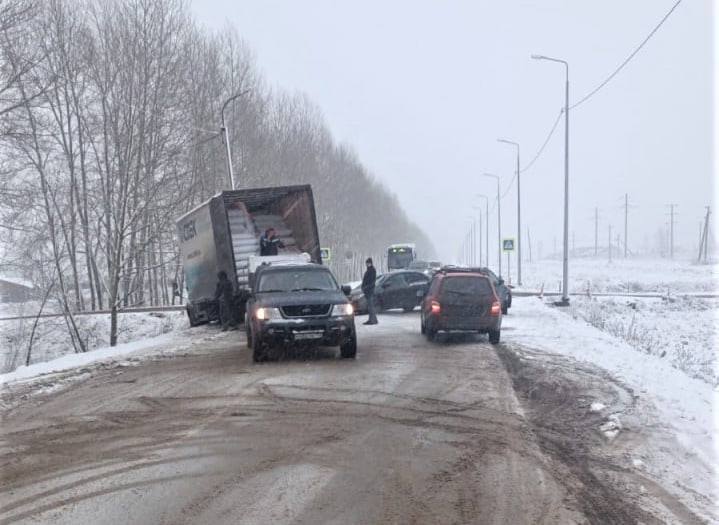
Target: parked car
column 503, row 290
column 461, row 300
column 298, row 305
column 398, row 289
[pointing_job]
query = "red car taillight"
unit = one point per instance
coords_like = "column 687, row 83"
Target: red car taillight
column 436, row 308
column 496, row 309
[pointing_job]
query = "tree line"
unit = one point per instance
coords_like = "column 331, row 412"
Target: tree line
column 109, row 131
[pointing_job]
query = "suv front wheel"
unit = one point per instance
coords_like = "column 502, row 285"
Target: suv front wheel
column 258, row 349
column 494, row 336
column 348, row 350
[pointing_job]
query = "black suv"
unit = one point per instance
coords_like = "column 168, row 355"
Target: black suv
column 298, row 305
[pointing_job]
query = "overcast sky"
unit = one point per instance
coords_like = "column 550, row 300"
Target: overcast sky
column 422, row 90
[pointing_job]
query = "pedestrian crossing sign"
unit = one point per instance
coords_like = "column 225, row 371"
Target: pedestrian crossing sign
column 508, row 245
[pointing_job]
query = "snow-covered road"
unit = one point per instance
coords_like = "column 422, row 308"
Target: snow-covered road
column 459, row 431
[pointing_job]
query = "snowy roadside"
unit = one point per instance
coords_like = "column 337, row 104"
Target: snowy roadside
column 51, row 339
column 679, row 409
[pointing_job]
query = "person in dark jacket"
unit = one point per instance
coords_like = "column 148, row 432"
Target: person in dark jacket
column 224, row 294
column 368, row 280
column 270, row 243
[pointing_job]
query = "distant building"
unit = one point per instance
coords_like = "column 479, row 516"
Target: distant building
column 14, row 290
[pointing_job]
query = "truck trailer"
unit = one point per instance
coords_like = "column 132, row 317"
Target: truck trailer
column 223, row 233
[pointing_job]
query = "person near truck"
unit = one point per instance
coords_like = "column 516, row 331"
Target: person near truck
column 224, row 294
column 368, row 280
column 270, row 243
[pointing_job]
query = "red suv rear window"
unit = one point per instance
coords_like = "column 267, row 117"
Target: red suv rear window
column 466, row 285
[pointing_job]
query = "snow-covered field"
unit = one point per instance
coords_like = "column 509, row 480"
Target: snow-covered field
column 677, row 329
column 622, row 275
column 52, row 339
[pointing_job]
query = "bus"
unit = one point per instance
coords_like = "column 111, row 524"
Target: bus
column 399, row 256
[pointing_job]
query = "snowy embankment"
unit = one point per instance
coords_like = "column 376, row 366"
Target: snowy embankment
column 680, row 409
column 51, row 339
column 678, row 329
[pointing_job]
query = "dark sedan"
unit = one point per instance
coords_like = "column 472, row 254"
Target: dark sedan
column 398, row 289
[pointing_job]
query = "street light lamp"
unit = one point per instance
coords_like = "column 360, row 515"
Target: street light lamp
column 519, row 215
column 486, row 227
column 499, row 222
column 227, row 138
column 565, row 261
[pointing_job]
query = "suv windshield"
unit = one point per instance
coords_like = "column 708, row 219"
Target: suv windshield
column 466, row 285
column 296, row 280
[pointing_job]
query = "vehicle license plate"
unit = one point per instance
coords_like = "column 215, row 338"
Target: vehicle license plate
column 308, row 335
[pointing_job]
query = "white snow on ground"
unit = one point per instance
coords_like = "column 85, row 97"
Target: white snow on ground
column 685, row 405
column 682, row 330
column 52, row 339
column 622, row 275
column 70, row 361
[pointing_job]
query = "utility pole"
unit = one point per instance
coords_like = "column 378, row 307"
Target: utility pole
column 626, row 215
column 529, row 245
column 671, row 230
column 499, row 222
column 486, row 229
column 226, row 136
column 596, row 231
column 565, row 258
column 704, row 242
column 519, row 215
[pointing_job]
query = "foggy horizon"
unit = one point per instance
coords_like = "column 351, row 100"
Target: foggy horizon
column 422, row 92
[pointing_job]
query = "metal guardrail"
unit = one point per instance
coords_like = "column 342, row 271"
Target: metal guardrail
column 136, row 310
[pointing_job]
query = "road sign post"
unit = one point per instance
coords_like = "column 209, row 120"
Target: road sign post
column 508, row 247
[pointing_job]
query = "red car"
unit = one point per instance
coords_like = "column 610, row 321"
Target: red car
column 461, row 300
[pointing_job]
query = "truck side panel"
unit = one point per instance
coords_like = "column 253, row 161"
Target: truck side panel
column 197, row 247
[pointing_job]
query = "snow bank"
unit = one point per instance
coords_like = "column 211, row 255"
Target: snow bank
column 71, row 361
column 684, row 403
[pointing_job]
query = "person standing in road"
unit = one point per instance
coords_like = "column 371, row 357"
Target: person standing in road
column 224, row 294
column 368, row 280
column 270, row 243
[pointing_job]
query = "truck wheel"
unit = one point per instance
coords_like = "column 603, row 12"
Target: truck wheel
column 349, row 349
column 191, row 317
column 494, row 336
column 422, row 328
column 504, row 308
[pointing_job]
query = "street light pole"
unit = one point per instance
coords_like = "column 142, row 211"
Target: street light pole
column 479, row 216
column 486, row 228
column 499, row 222
column 519, row 215
column 225, row 135
column 565, row 260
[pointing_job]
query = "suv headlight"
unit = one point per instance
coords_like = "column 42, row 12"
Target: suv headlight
column 267, row 313
column 339, row 310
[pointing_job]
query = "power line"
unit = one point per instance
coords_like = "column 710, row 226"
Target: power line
column 595, row 90
column 544, row 144
column 626, row 60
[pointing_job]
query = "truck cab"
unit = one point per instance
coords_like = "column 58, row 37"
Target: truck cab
column 298, row 305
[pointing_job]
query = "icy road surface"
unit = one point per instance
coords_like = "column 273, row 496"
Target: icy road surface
column 411, row 432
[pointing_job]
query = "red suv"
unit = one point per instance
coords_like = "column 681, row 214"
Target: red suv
column 461, row 300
